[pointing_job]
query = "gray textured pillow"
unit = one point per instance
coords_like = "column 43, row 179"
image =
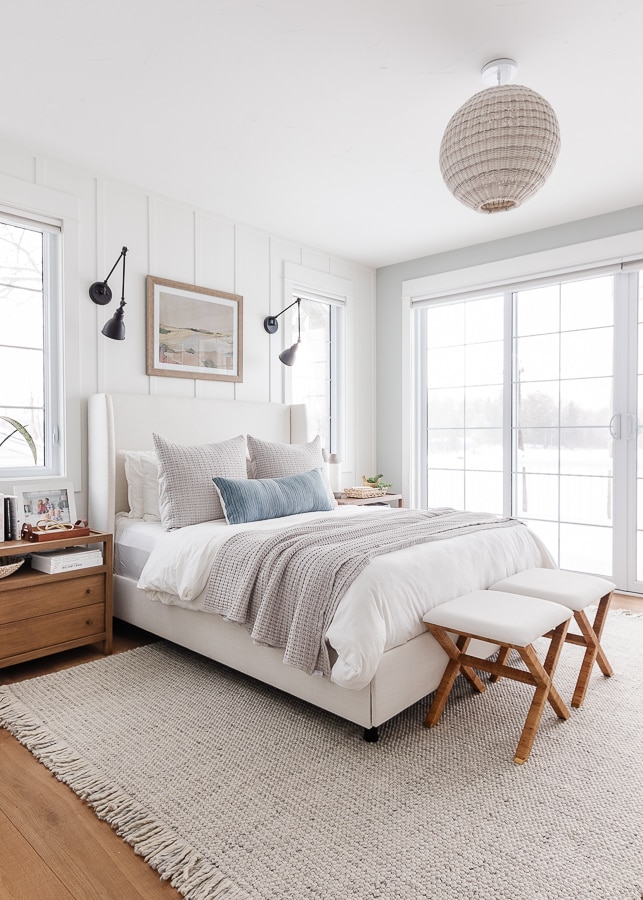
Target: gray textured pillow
column 186, row 492
column 272, row 460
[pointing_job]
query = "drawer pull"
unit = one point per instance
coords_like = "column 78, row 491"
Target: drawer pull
column 89, row 622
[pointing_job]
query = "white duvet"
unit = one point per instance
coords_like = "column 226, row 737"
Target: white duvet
column 384, row 605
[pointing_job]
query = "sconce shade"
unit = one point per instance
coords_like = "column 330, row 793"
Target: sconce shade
column 288, row 356
column 115, row 328
column 499, row 148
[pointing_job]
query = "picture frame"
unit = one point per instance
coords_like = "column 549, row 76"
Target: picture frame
column 193, row 332
column 40, row 502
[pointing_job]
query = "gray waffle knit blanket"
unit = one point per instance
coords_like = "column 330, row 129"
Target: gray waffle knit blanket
column 285, row 585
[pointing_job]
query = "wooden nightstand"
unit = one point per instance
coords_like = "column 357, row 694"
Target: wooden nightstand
column 395, row 500
column 44, row 613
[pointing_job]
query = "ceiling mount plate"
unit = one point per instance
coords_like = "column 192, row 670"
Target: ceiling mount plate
column 499, row 71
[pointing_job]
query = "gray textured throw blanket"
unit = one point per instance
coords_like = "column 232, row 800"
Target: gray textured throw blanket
column 285, row 585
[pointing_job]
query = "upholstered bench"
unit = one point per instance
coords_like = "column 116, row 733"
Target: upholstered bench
column 514, row 622
column 577, row 592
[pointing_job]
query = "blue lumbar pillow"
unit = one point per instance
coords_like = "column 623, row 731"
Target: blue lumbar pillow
column 254, row 499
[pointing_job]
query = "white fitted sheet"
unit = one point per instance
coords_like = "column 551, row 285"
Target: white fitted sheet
column 133, row 543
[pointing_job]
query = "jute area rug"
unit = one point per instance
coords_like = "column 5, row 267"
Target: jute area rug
column 233, row 790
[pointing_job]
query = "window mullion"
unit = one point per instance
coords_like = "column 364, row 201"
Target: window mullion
column 509, row 408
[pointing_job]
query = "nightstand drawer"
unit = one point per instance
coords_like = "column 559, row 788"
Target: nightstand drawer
column 57, row 628
column 51, row 597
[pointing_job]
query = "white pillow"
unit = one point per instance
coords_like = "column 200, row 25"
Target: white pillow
column 141, row 472
column 187, row 494
column 151, row 511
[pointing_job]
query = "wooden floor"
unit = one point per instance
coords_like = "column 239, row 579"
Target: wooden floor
column 52, row 845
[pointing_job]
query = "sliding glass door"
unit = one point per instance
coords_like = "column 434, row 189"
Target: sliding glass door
column 527, row 405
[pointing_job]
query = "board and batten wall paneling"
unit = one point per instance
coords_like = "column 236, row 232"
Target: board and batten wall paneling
column 281, row 252
column 252, row 279
column 313, row 259
column 71, row 180
column 360, row 400
column 172, row 256
column 214, row 262
column 123, row 222
column 172, row 230
column 214, row 268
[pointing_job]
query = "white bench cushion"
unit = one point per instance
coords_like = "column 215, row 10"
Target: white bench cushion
column 499, row 616
column 569, row 588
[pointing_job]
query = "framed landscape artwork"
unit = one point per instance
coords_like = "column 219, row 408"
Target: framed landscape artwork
column 193, row 332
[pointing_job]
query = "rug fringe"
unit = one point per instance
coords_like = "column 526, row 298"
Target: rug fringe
column 626, row 612
column 168, row 854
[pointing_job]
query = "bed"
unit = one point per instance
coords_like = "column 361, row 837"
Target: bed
column 410, row 663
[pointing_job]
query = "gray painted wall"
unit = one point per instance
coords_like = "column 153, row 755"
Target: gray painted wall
column 389, row 310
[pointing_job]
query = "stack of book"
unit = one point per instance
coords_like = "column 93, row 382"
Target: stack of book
column 8, row 518
column 64, row 560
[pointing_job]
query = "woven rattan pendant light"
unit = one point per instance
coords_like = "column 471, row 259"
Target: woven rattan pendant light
column 501, row 146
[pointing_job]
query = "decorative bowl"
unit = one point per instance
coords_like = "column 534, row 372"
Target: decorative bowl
column 10, row 564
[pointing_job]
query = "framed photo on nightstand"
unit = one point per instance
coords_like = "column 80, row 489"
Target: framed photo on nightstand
column 43, row 503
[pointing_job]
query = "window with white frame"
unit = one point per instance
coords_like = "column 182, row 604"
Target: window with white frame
column 317, row 375
column 30, row 347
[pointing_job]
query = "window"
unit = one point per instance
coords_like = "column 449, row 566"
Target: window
column 30, row 370
column 317, row 373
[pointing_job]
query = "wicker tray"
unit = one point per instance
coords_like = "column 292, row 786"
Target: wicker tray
column 363, row 493
column 10, row 564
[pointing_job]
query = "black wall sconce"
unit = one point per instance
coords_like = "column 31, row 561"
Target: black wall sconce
column 101, row 293
column 271, row 324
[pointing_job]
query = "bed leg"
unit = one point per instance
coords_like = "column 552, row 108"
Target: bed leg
column 371, row 735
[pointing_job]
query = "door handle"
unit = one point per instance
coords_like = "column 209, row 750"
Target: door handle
column 615, row 426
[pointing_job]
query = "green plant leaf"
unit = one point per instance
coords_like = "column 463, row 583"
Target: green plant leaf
column 23, row 431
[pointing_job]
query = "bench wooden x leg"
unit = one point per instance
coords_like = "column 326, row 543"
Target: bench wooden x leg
column 537, row 674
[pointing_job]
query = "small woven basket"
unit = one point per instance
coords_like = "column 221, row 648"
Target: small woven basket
column 10, row 564
column 363, row 493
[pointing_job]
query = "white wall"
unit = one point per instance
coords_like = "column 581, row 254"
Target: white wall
column 391, row 374
column 173, row 240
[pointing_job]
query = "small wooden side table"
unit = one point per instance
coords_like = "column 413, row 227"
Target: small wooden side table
column 394, row 500
column 43, row 613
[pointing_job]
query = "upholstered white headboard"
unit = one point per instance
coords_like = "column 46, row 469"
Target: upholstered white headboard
column 126, row 422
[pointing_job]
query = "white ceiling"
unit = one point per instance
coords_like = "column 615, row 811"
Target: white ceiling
column 321, row 121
